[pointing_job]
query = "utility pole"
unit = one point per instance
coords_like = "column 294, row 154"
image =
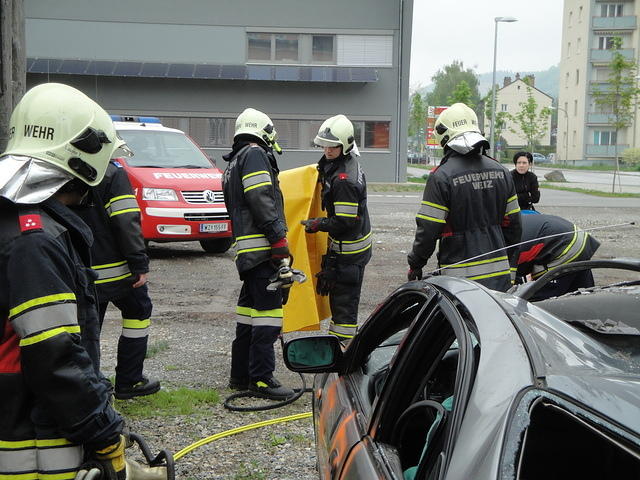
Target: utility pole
column 13, row 62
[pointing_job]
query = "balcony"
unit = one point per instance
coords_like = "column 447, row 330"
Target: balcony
column 605, row 150
column 599, row 85
column 599, row 118
column 604, row 56
column 615, row 23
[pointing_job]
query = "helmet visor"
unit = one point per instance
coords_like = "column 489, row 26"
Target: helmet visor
column 90, row 141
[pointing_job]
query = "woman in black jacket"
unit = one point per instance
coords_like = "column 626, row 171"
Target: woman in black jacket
column 526, row 181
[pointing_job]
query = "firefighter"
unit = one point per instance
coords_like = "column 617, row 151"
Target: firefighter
column 56, row 409
column 344, row 197
column 256, row 207
column 119, row 258
column 539, row 255
column 470, row 205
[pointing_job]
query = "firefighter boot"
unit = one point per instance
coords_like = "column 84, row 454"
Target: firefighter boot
column 146, row 386
column 270, row 388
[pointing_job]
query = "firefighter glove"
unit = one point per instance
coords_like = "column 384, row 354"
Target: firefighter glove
column 107, row 463
column 414, row 274
column 279, row 250
column 328, row 276
column 312, row 225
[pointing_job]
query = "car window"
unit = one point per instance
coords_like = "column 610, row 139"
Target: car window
column 163, row 150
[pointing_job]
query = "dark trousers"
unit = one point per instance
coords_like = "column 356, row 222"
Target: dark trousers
column 344, row 299
column 565, row 284
column 259, row 323
column 136, row 309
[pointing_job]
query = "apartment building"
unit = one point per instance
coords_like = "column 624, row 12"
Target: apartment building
column 588, row 30
column 197, row 64
column 509, row 98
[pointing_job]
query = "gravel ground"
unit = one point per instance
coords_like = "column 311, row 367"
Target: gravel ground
column 194, row 297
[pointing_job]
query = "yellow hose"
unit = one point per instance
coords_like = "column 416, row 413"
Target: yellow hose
column 233, row 431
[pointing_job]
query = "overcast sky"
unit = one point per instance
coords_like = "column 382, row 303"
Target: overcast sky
column 447, row 30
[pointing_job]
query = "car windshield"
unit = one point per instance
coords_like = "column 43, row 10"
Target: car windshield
column 163, row 150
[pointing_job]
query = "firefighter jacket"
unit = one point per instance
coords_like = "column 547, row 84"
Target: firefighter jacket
column 344, row 197
column 471, row 207
column 254, row 202
column 53, row 400
column 118, row 252
column 538, row 255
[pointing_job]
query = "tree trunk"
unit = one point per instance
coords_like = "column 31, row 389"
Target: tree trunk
column 617, row 170
column 12, row 62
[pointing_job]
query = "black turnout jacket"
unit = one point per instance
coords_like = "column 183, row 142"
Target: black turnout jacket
column 470, row 206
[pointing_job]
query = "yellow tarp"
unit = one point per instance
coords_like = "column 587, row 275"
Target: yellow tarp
column 305, row 309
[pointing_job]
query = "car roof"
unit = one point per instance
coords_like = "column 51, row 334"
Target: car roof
column 158, row 127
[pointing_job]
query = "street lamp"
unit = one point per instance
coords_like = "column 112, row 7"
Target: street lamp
column 566, row 136
column 493, row 83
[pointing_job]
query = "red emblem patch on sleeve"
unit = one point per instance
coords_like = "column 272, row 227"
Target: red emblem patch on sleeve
column 30, row 222
column 343, row 176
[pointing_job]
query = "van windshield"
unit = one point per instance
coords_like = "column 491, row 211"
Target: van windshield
column 163, row 150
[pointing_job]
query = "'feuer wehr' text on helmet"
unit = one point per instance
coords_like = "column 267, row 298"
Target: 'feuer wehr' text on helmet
column 457, row 128
column 62, row 127
column 336, row 131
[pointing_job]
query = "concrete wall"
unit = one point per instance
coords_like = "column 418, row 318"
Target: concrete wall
column 205, row 31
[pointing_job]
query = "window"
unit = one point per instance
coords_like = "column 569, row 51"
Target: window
column 322, row 48
column 273, row 47
column 575, row 108
column 580, row 15
column 579, row 46
column 292, row 134
column 570, row 18
column 566, row 80
column 568, row 49
column 605, row 43
column 503, row 107
column 374, row 50
column 577, row 76
column 604, row 137
column 611, row 10
column 573, row 137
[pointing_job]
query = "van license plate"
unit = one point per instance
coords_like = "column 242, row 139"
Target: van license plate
column 213, row 227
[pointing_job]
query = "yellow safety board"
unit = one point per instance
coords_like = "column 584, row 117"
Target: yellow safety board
column 305, row 309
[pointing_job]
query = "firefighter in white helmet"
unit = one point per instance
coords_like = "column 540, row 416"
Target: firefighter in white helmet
column 256, row 206
column 344, row 197
column 57, row 418
column 470, row 205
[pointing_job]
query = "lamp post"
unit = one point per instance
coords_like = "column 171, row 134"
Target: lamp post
column 493, row 83
column 566, row 136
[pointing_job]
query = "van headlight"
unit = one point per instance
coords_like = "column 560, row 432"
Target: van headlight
column 165, row 194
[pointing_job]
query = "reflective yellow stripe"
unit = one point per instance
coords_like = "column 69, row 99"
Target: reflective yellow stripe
column 346, row 203
column 57, row 476
column 511, row 199
column 256, row 186
column 115, row 199
column 275, row 313
column 113, row 279
column 346, row 215
column 108, row 265
column 243, row 311
column 128, row 210
column 479, row 262
column 60, row 297
column 135, row 323
column 24, row 476
column 489, row 275
column 435, row 205
column 515, row 210
column 48, row 334
column 253, row 174
column 431, row 219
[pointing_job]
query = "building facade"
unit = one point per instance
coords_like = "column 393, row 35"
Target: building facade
column 585, row 134
column 197, row 64
column 509, row 98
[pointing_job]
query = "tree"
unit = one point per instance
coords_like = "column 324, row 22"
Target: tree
column 500, row 120
column 620, row 97
column 447, row 81
column 463, row 94
column 417, row 115
column 12, row 62
column 530, row 121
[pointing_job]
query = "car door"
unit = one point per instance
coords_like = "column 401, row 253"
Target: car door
column 343, row 403
column 434, row 366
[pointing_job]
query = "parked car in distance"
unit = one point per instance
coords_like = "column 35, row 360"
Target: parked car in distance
column 539, row 158
column 450, row 380
column 177, row 186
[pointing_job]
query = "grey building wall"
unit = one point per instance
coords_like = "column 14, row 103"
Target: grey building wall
column 214, row 32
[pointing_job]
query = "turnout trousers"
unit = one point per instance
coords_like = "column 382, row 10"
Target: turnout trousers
column 258, row 325
column 136, row 309
column 344, row 299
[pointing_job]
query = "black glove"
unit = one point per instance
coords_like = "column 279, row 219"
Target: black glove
column 312, row 225
column 328, row 276
column 414, row 274
column 279, row 251
column 107, row 463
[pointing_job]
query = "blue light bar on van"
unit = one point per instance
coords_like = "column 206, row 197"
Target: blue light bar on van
column 128, row 118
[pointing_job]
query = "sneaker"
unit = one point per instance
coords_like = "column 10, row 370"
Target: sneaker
column 270, row 388
column 146, row 386
column 238, row 383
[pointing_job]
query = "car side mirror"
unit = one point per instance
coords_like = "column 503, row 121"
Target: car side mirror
column 317, row 354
